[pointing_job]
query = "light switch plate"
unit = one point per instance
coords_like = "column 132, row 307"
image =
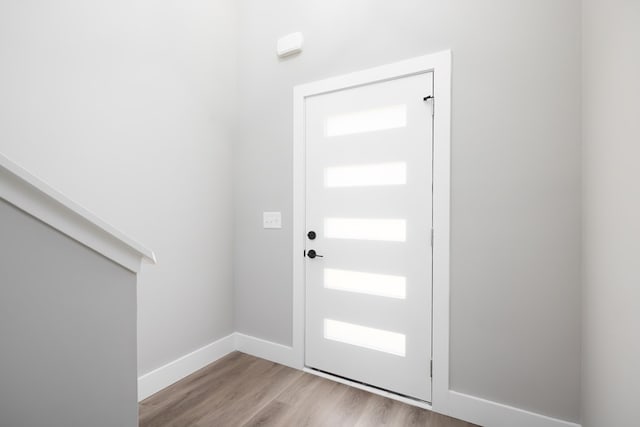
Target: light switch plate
column 272, row 219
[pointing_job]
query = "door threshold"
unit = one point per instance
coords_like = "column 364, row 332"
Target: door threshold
column 371, row 389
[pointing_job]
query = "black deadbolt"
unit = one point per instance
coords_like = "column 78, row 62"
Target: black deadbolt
column 311, row 235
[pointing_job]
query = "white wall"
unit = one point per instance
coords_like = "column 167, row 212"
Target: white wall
column 515, row 184
column 611, row 127
column 126, row 107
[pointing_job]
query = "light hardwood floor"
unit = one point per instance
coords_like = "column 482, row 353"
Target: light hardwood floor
column 242, row 390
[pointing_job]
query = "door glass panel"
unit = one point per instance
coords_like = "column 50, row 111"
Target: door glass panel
column 366, row 175
column 362, row 336
column 366, row 283
column 392, row 230
column 391, row 117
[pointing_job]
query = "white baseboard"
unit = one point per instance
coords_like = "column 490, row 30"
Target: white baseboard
column 463, row 406
column 492, row 414
column 172, row 372
column 268, row 350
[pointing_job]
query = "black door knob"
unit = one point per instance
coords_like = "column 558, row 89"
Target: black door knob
column 312, row 254
column 311, row 235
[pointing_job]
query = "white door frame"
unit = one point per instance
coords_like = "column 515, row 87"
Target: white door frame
column 440, row 64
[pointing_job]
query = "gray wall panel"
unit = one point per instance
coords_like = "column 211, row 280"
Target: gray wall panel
column 67, row 330
column 611, row 296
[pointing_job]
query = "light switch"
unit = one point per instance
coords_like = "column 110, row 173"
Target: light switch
column 272, row 219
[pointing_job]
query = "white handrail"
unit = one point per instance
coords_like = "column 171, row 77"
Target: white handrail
column 32, row 195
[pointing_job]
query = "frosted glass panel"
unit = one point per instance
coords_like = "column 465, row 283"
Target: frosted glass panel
column 392, row 230
column 366, row 175
column 362, row 336
column 366, row 283
column 391, row 117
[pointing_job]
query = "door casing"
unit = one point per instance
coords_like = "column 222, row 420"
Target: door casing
column 440, row 64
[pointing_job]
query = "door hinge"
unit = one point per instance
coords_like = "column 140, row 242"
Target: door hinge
column 433, row 103
column 431, row 369
column 432, row 237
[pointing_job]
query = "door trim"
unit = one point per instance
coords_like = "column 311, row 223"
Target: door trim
column 440, row 64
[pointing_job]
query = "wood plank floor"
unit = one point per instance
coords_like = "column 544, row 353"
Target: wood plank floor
column 242, row 390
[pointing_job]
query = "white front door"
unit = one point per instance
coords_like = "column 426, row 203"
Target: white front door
column 369, row 220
